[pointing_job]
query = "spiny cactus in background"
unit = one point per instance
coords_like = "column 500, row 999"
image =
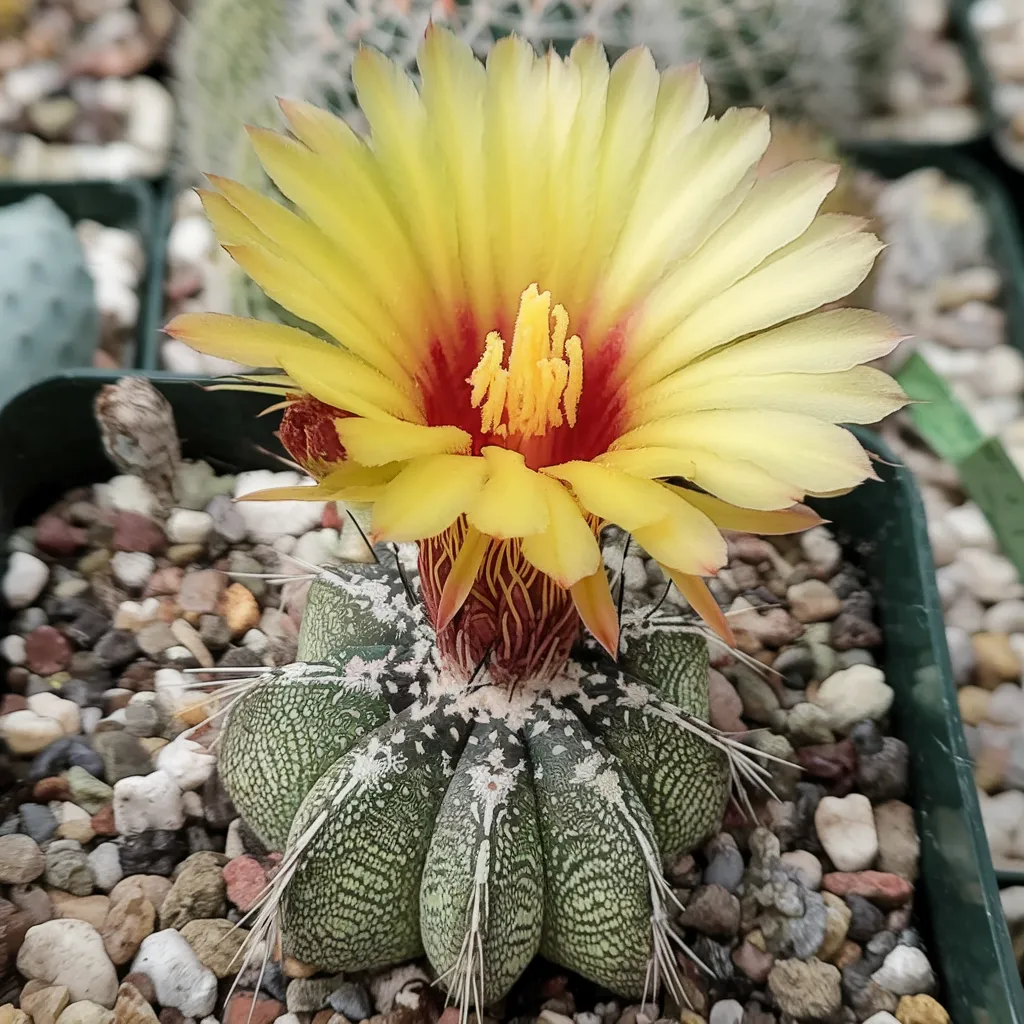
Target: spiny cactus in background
column 48, row 315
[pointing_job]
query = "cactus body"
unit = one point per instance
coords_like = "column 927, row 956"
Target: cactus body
column 49, row 319
column 476, row 825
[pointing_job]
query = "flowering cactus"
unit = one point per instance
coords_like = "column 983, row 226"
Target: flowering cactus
column 559, row 296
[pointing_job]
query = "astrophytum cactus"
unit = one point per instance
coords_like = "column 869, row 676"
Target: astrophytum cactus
column 560, row 297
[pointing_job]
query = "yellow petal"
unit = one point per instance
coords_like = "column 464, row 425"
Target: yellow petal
column 462, row 576
column 702, row 601
column 777, row 210
column 230, row 226
column 837, row 339
column 686, row 540
column 734, row 480
column 427, row 497
column 408, row 159
column 453, row 86
column 567, row 550
column 511, row 502
column 614, row 495
column 342, row 380
column 676, row 199
column 373, row 442
column 307, row 298
column 827, row 262
column 799, row 450
column 346, row 482
column 745, row 520
column 359, row 218
column 593, row 600
column 859, row 395
column 240, row 339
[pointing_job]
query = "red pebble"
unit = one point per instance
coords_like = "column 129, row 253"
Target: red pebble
column 881, row 887
column 829, row 760
column 450, row 1016
column 46, row 651
column 54, row 787
column 57, row 537
column 165, row 581
column 133, row 532
column 245, row 879
column 331, row 518
column 263, row 1011
column 102, row 822
column 12, row 702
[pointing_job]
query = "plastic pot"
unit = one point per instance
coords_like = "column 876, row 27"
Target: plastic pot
column 129, row 205
column 49, row 442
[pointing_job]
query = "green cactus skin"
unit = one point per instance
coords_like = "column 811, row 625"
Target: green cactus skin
column 418, row 816
column 48, row 315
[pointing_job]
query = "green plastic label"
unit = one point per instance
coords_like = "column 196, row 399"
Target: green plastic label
column 987, row 473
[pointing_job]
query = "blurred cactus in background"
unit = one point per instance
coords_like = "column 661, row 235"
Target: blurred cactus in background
column 823, row 62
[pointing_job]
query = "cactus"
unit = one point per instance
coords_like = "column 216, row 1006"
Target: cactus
column 49, row 318
column 821, row 61
column 405, row 804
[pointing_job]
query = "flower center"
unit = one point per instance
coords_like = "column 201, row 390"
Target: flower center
column 543, row 378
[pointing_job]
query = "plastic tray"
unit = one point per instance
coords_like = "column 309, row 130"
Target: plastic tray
column 117, row 204
column 49, row 442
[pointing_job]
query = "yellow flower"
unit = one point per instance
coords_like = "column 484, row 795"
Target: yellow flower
column 554, row 287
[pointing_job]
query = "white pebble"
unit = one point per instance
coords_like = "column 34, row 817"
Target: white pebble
column 821, row 550
column 70, row 953
column 191, row 240
column 150, row 124
column 905, row 972
column 91, row 717
column 1004, row 617
column 12, row 647
column 970, row 527
column 1003, row 818
column 178, row 977
column 33, row 81
column 145, row 802
column 256, row 640
column 133, row 615
column 116, row 299
column 24, row 580
column 846, row 828
column 961, row 654
column 989, row 577
column 133, row 569
column 725, row 1011
column 127, row 494
column 186, row 526
column 1006, row 706
column 806, row 865
column 318, row 547
column 233, row 845
column 64, row 712
column 266, row 521
column 882, row 1017
column 854, row 694
column 188, row 763
column 105, row 862
column 181, row 358
column 25, row 732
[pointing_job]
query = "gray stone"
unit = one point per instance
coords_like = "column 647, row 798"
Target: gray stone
column 725, row 863
column 351, row 1000
column 123, row 755
column 67, row 867
column 806, row 990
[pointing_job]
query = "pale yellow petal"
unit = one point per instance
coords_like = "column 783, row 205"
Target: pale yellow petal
column 230, row 225
column 358, row 218
column 837, row 339
column 800, row 450
column 859, row 395
column 427, row 497
column 734, row 480
column 686, row 540
column 777, row 210
column 453, row 83
column 676, row 198
column 511, row 502
column 241, row 339
column 613, row 495
column 826, row 263
column 409, row 161
column 373, row 442
column 567, row 550
column 745, row 520
column 307, row 298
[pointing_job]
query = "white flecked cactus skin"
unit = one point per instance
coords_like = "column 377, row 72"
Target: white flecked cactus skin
column 477, row 826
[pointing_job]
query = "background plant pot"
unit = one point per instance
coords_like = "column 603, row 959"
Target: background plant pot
column 129, row 205
column 49, row 442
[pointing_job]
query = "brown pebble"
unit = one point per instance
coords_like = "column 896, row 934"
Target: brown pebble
column 102, row 822
column 880, row 887
column 165, row 582
column 323, row 1017
column 17, row 678
column 46, row 651
column 293, row 968
column 12, row 702
column 143, row 983
column 245, row 1008
column 171, row 1015
column 134, row 532
column 18, row 923
column 921, row 1009
column 849, row 953
column 52, row 788
column 239, row 609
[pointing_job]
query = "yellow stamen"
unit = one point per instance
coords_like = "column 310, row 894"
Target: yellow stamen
column 544, row 374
